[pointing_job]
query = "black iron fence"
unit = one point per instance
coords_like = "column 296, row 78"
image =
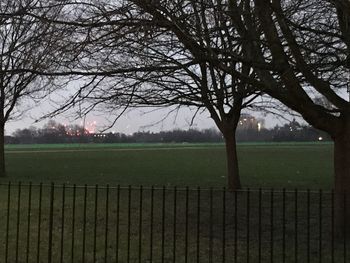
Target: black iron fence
column 69, row 223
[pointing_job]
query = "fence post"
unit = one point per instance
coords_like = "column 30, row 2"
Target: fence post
column 28, row 220
column 84, row 223
column 211, row 225
column 284, row 225
column 236, row 225
column 259, row 225
column 140, row 223
column 296, row 225
column 106, row 226
column 95, row 223
column 52, row 192
column 151, row 225
column 129, row 223
column 198, row 222
column 271, row 226
column 62, row 221
column 174, row 226
column 308, row 225
column 117, row 226
column 223, row 225
column 73, row 223
column 320, row 227
column 248, row 224
column 18, row 218
column 8, row 222
column 186, row 225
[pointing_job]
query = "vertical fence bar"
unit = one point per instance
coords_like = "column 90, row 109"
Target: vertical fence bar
column 62, row 222
column 248, row 224
column 39, row 223
column 211, row 226
column 308, row 225
column 296, row 225
column 186, row 225
column 140, row 224
column 344, row 224
column 320, row 228
column 117, row 226
column 106, row 223
column 311, row 209
column 52, row 198
column 259, row 225
column 73, row 223
column 198, row 223
column 332, row 226
column 95, row 223
column 7, row 222
column 84, row 224
column 129, row 224
column 28, row 220
column 163, row 224
column 18, row 219
column 151, row 226
column 271, row 226
column 284, row 225
column 223, row 225
column 235, row 228
column 174, row 226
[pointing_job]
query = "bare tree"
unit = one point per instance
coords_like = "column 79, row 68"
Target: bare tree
column 25, row 43
column 299, row 51
column 308, row 46
column 137, row 60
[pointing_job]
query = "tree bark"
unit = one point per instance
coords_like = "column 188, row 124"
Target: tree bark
column 342, row 181
column 233, row 178
column 2, row 151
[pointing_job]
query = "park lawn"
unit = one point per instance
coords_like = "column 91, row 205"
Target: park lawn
column 286, row 165
column 266, row 165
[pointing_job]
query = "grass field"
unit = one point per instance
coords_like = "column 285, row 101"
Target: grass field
column 289, row 165
column 145, row 226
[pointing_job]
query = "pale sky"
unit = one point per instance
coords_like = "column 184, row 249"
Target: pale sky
column 130, row 122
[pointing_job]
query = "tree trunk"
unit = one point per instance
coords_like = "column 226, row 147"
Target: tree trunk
column 342, row 181
column 233, row 179
column 2, row 151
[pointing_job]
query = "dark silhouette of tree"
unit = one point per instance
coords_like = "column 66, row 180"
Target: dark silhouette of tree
column 25, row 43
column 143, row 63
column 300, row 52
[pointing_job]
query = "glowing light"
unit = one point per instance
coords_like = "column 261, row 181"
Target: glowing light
column 259, row 126
column 320, row 138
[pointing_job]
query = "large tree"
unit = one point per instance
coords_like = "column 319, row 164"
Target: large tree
column 308, row 46
column 27, row 47
column 131, row 60
column 300, row 51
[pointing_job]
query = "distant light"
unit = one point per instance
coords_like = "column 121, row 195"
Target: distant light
column 320, row 138
column 259, row 126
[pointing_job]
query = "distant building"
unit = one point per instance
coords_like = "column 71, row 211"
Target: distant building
column 248, row 122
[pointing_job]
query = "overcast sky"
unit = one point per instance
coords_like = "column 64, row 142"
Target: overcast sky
column 130, row 122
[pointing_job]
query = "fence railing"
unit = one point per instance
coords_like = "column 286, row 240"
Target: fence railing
column 69, row 223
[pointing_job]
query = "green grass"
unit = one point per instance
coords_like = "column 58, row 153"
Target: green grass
column 289, row 165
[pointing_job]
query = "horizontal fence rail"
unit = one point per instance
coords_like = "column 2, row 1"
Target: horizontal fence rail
column 69, row 223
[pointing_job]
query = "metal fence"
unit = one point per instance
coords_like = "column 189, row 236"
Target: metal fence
column 69, row 223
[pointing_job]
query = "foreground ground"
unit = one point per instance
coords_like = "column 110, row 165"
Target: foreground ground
column 289, row 165
column 109, row 224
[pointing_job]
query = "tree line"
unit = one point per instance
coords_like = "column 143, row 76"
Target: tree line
column 54, row 132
